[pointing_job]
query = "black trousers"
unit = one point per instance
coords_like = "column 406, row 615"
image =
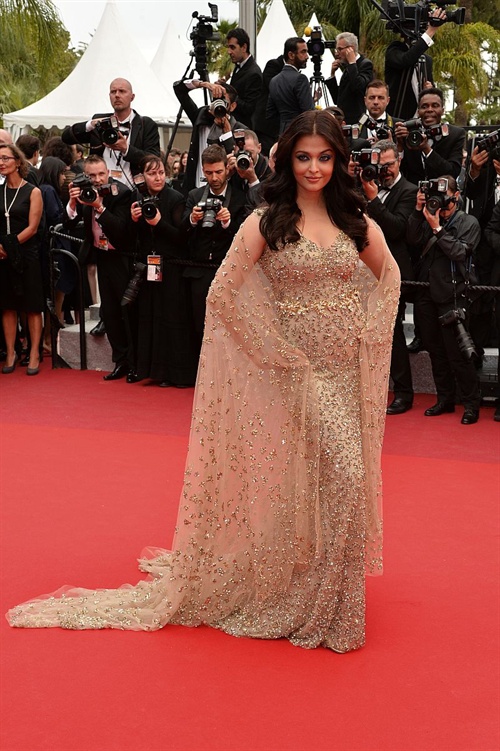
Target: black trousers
column 113, row 274
column 449, row 368
column 400, row 360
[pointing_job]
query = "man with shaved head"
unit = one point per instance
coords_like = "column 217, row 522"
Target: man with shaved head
column 122, row 142
column 5, row 136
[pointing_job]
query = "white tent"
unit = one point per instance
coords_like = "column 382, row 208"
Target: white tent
column 171, row 60
column 112, row 53
column 275, row 30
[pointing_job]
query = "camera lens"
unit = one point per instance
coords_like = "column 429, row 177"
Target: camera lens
column 433, row 204
column 88, row 195
column 149, row 210
column 369, row 173
column 110, row 135
column 243, row 161
column 414, row 138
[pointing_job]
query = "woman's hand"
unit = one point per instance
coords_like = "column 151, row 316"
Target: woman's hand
column 135, row 211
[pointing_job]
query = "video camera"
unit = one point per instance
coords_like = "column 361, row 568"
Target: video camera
column 490, row 143
column 415, row 18
column 316, row 45
column 89, row 193
column 210, row 208
column 243, row 158
column 418, row 132
column 367, row 163
column 435, row 193
column 202, row 33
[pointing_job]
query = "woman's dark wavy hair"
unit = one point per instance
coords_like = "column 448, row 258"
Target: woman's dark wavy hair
column 50, row 170
column 344, row 204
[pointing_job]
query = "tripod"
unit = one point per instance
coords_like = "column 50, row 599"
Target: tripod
column 319, row 89
column 420, row 69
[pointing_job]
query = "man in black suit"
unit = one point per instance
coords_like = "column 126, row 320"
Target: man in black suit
column 107, row 239
column 390, row 203
column 434, row 156
column 349, row 93
column 209, row 244
column 447, row 241
column 376, row 124
column 207, row 128
column 289, row 92
column 267, row 128
column 246, row 77
column 408, row 69
column 137, row 135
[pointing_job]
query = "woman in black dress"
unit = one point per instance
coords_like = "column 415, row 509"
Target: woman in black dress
column 165, row 349
column 21, row 287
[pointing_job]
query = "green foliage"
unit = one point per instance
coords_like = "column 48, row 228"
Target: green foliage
column 35, row 53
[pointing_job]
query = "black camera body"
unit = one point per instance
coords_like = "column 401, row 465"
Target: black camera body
column 210, row 208
column 417, row 132
column 89, row 192
column 108, row 129
column 456, row 318
column 435, row 193
column 149, row 206
column 316, row 45
column 243, row 158
column 367, row 163
column 490, row 143
column 381, row 131
column 414, row 19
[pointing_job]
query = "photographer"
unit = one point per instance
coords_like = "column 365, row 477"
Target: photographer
column 429, row 156
column 447, row 237
column 408, row 69
column 123, row 142
column 107, row 242
column 391, row 200
column 351, row 73
column 492, row 236
column 165, row 350
column 247, row 166
column 213, row 215
column 212, row 124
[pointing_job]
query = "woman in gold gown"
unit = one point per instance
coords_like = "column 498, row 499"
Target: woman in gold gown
column 280, row 513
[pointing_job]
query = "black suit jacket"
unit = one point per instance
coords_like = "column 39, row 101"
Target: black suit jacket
column 349, row 95
column 400, row 61
column 289, row 96
column 392, row 216
column 262, row 124
column 115, row 223
column 144, row 139
column 445, row 158
column 199, row 117
column 248, row 83
column 212, row 244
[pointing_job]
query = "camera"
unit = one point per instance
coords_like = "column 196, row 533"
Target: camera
column 316, row 45
column 134, row 284
column 381, row 131
column 417, row 132
column 89, row 193
column 108, row 129
column 202, row 33
column 210, row 208
column 366, row 162
column 490, row 143
column 218, row 108
column 465, row 344
column 149, row 206
column 243, row 158
column 435, row 193
column 414, row 19
column 350, row 132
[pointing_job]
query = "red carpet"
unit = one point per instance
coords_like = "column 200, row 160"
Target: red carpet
column 91, row 473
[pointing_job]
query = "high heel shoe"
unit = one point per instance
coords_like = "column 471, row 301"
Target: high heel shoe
column 33, row 371
column 10, row 368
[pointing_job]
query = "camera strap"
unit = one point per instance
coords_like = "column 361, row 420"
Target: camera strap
column 227, row 197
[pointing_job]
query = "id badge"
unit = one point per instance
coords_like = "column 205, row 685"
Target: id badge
column 155, row 269
column 117, row 174
column 103, row 243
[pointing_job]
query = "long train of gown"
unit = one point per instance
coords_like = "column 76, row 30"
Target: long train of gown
column 280, row 511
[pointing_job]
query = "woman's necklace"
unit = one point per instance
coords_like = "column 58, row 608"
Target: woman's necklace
column 8, row 208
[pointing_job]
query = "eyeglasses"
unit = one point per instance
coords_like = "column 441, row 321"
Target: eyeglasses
column 339, row 49
column 390, row 164
column 6, row 158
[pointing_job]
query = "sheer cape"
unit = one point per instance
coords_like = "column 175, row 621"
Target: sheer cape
column 249, row 515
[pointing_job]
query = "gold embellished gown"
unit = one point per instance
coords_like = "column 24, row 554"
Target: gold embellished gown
column 280, row 512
